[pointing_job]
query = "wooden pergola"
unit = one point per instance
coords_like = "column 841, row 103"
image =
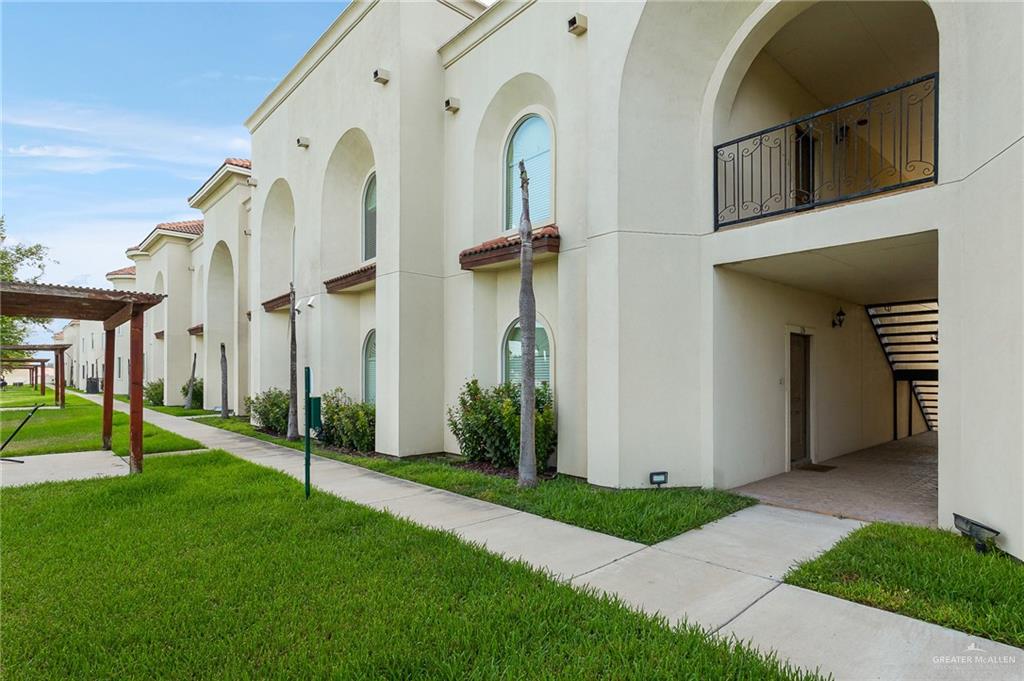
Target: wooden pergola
column 58, row 350
column 36, row 367
column 113, row 308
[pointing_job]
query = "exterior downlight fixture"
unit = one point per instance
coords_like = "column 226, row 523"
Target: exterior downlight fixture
column 658, row 478
column 381, row 75
column 577, row 24
column 451, row 104
column 981, row 534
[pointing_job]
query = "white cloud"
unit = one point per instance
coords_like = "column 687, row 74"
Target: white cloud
column 131, row 138
column 57, row 151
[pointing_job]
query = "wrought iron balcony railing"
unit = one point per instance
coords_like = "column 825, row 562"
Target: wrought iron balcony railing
column 877, row 143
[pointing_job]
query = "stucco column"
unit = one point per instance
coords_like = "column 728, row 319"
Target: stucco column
column 410, row 397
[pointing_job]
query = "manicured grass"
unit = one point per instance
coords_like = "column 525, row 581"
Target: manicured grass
column 646, row 516
column 173, row 411
column 931, row 575
column 77, row 428
column 123, row 578
column 24, row 396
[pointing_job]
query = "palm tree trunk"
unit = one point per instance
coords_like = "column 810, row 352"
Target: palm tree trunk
column 191, row 384
column 223, row 382
column 293, row 381
column 528, row 331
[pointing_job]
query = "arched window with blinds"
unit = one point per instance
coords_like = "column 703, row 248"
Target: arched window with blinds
column 370, row 218
column 530, row 142
column 370, row 368
column 512, row 356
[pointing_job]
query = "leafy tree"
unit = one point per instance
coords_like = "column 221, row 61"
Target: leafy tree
column 19, row 262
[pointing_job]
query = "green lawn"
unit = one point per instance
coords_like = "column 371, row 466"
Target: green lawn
column 646, row 516
column 79, row 427
column 931, row 575
column 24, row 396
column 123, row 578
column 173, row 411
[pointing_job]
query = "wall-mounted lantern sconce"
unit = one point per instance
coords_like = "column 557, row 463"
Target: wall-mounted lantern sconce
column 838, row 319
column 659, row 478
column 578, row 24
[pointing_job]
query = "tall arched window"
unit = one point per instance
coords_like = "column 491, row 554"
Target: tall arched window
column 370, row 218
column 512, row 356
column 370, row 368
column 530, row 142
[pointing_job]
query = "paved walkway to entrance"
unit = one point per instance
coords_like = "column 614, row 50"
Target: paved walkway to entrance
column 61, row 467
column 724, row 577
column 897, row 481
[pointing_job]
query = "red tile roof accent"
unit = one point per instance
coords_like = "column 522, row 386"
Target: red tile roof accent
column 277, row 302
column 545, row 239
column 185, row 226
column 240, row 162
column 363, row 275
column 123, row 271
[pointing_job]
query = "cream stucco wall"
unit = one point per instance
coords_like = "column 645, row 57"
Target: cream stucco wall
column 664, row 359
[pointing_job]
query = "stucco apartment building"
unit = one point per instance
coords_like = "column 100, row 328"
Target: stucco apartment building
column 753, row 220
column 191, row 263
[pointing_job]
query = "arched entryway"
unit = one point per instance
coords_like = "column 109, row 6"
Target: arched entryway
column 220, row 327
column 277, row 270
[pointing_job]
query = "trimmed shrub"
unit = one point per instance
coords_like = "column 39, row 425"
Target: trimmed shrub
column 153, row 392
column 486, row 423
column 197, row 394
column 270, row 409
column 347, row 424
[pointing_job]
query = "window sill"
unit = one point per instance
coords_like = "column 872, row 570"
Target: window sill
column 504, row 251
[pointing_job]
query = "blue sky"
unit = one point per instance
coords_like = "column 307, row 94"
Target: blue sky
column 114, row 113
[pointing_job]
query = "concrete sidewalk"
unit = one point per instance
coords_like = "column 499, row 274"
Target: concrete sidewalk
column 60, row 467
column 724, row 577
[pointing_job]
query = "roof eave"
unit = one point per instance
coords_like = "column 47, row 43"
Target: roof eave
column 335, row 33
column 200, row 198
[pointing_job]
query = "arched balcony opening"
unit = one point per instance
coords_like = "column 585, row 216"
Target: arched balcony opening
column 839, row 103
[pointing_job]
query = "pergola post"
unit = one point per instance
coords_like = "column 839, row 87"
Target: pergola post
column 42, row 378
column 135, row 393
column 108, row 389
column 56, row 378
column 63, row 380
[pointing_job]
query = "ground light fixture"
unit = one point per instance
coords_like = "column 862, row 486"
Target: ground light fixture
column 981, row 534
column 838, row 319
column 658, row 478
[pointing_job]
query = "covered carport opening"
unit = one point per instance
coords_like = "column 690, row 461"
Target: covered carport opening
column 826, row 379
column 113, row 308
